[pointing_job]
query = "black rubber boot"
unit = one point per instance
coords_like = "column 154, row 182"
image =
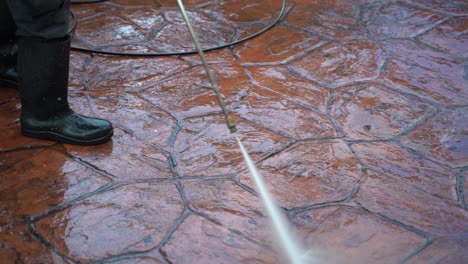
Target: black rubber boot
column 8, row 58
column 43, row 69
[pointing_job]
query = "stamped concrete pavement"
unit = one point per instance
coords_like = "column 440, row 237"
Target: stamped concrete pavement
column 355, row 112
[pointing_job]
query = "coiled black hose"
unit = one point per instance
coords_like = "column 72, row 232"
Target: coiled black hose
column 280, row 15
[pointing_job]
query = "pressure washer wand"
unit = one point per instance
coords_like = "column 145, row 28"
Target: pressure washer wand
column 214, row 85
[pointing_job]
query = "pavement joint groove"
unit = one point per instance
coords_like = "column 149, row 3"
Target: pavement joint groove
column 460, row 191
column 31, row 228
column 426, row 235
column 353, row 110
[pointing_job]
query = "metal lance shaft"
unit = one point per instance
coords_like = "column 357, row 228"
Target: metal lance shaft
column 214, row 85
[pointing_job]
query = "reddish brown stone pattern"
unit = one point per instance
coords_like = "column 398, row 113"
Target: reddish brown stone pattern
column 206, row 148
column 424, row 56
column 189, row 94
column 17, row 245
column 128, row 158
column 285, row 117
column 401, row 202
column 454, row 7
column 310, row 173
column 332, row 19
column 146, row 72
column 199, row 240
column 444, row 250
column 398, row 20
column 426, row 72
column 450, row 36
column 371, row 111
column 282, row 49
column 44, row 180
column 443, row 138
column 354, row 112
column 111, row 223
column 292, row 87
column 407, row 167
column 337, row 64
column 238, row 214
column 342, row 234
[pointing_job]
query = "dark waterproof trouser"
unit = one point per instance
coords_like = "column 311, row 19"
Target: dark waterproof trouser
column 45, row 19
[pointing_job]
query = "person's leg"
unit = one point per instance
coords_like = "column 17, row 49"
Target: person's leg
column 7, row 25
column 45, row 19
column 43, row 64
column 8, row 48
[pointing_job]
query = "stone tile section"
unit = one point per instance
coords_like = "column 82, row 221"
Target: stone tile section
column 342, row 234
column 28, row 190
column 398, row 20
column 126, row 158
column 172, row 186
column 443, row 250
column 136, row 116
column 117, row 25
column 174, row 36
column 411, row 206
column 199, row 240
column 117, row 31
column 190, row 94
column 427, row 84
column 233, row 209
column 456, row 7
column 241, row 11
column 10, row 158
column 371, row 111
column 276, row 113
column 129, row 74
column 309, row 173
column 205, row 147
column 425, row 72
column 132, row 218
column 333, row 19
column 290, row 86
column 287, row 45
column 19, row 246
column 411, row 170
column 148, row 26
column 450, row 36
column 426, row 57
column 338, row 64
column 138, row 260
column 443, row 138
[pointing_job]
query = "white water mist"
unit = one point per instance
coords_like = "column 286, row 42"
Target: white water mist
column 280, row 223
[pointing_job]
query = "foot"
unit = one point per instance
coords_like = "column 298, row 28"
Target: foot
column 69, row 128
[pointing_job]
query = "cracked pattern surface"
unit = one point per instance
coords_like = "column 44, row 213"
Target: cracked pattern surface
column 355, row 112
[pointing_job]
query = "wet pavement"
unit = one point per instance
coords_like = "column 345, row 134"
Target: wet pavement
column 355, row 111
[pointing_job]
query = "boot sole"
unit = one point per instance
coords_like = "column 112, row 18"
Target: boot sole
column 64, row 139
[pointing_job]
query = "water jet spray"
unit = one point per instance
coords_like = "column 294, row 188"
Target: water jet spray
column 279, row 220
